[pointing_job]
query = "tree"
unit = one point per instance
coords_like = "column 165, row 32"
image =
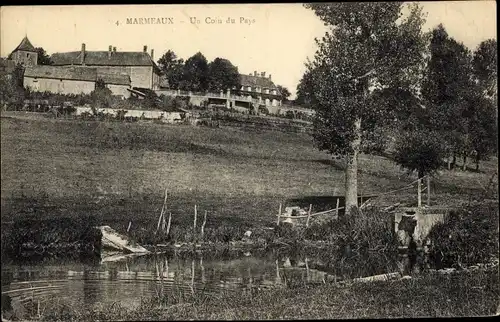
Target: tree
column 419, row 150
column 284, row 93
column 370, row 47
column 172, row 68
column 485, row 67
column 195, row 76
column 101, row 96
column 448, row 90
column 43, row 58
column 484, row 118
column 305, row 87
column 222, row 75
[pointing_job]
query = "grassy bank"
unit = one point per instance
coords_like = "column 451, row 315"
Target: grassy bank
column 118, row 172
column 429, row 295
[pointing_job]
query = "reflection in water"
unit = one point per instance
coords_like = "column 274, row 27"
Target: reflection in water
column 131, row 279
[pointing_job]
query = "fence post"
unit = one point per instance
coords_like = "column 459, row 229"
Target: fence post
column 337, row 207
column 203, row 224
column 129, row 224
column 308, row 215
column 428, row 190
column 194, row 222
column 419, row 192
column 279, row 215
column 169, row 221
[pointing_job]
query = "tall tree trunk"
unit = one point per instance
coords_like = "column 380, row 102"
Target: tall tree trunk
column 477, row 161
column 449, row 162
column 464, row 167
column 454, row 162
column 351, row 172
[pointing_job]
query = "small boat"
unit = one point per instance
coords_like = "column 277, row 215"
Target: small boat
column 112, row 240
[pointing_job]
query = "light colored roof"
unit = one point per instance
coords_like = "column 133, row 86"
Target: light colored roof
column 264, row 82
column 76, row 73
column 25, row 45
column 102, row 58
column 70, row 73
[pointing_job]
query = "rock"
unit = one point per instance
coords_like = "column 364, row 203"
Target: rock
column 248, row 233
column 406, row 277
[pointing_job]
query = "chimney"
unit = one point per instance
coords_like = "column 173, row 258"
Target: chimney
column 269, row 76
column 114, row 49
column 145, row 49
column 82, row 55
column 263, row 74
column 152, row 54
column 254, row 73
column 109, row 51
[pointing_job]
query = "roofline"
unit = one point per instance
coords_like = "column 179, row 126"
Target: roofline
column 61, row 78
column 73, row 79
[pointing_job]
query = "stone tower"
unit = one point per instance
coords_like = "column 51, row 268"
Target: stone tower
column 25, row 53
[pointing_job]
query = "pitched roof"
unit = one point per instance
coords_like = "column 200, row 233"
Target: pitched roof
column 102, row 58
column 76, row 73
column 264, row 82
column 25, row 45
column 115, row 79
column 70, row 73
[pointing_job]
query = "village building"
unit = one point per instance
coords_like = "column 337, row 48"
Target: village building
column 140, row 66
column 25, row 53
column 73, row 80
column 260, row 87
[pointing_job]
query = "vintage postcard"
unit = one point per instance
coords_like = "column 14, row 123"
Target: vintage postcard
column 249, row 161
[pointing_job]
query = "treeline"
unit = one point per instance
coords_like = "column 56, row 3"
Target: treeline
column 443, row 109
column 197, row 74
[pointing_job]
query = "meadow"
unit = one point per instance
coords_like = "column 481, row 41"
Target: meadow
column 118, row 172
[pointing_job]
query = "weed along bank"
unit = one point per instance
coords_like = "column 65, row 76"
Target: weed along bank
column 199, row 181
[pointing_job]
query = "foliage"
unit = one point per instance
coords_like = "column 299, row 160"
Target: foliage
column 448, row 90
column 101, row 96
column 195, row 74
column 222, row 75
column 284, row 92
column 339, row 80
column 43, row 58
column 420, row 150
column 172, row 68
column 12, row 92
column 466, row 237
column 485, row 63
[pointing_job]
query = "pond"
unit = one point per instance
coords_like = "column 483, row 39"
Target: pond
column 129, row 279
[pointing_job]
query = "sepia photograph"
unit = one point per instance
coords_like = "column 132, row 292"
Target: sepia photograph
column 274, row 161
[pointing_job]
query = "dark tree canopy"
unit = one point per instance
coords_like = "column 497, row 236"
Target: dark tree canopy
column 172, row 69
column 195, row 73
column 222, row 75
column 43, row 58
column 284, row 92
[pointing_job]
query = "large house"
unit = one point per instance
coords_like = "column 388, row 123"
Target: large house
column 260, row 87
column 140, row 66
column 73, row 80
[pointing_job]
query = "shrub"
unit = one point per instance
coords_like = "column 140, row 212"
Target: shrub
column 466, row 237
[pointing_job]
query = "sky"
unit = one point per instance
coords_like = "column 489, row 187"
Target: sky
column 271, row 38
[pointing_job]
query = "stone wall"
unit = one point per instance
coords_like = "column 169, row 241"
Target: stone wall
column 121, row 90
column 167, row 117
column 59, row 86
column 417, row 223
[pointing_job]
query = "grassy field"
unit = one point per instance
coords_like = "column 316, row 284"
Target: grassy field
column 119, row 171
column 463, row 294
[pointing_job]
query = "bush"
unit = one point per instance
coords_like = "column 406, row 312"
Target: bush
column 466, row 237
